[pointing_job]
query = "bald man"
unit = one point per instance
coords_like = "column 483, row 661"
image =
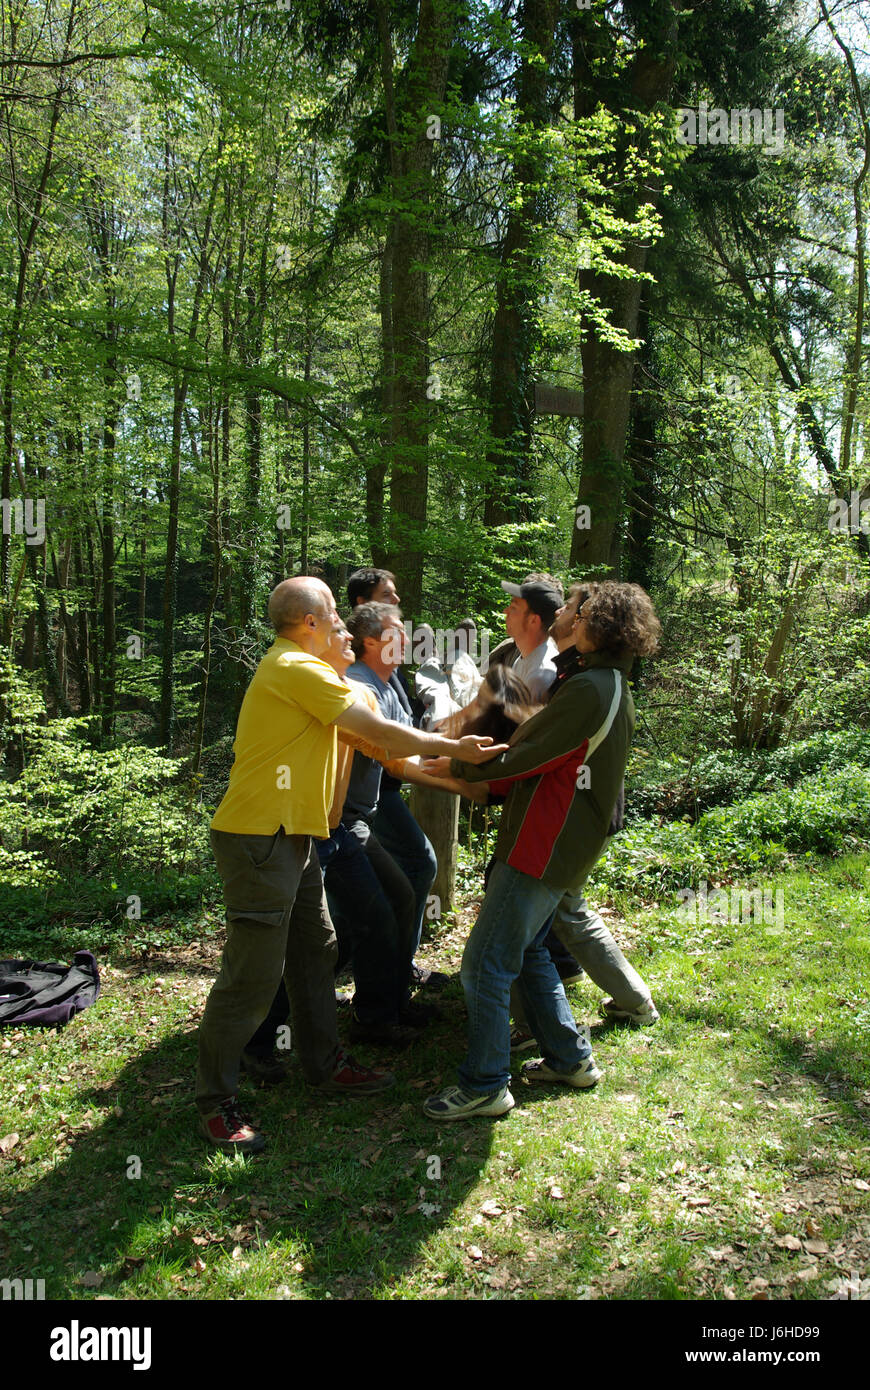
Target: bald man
column 279, row 795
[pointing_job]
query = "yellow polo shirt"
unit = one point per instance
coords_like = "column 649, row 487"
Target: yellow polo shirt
column 285, row 758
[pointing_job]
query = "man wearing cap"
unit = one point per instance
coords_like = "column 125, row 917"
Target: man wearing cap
column 507, row 651
column 531, row 611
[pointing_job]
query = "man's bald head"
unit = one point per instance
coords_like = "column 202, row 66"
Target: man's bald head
column 303, row 610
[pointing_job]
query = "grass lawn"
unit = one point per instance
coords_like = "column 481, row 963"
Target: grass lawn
column 725, row 1154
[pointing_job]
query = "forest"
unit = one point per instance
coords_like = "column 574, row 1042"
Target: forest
column 461, row 289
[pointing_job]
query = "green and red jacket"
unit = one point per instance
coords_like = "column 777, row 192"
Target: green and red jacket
column 562, row 775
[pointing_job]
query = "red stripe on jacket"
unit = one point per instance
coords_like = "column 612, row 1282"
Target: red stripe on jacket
column 500, row 786
column 546, row 814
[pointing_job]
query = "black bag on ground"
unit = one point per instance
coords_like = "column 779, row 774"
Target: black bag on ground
column 37, row 994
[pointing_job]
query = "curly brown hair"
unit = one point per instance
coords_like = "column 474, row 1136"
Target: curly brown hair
column 620, row 619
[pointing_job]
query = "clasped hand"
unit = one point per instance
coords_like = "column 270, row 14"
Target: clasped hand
column 473, row 748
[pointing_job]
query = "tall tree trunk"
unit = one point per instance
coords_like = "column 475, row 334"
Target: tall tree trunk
column 26, row 229
column 170, row 577
column 107, row 537
column 514, row 336
column 83, row 645
column 305, row 520
column 607, row 372
column 642, row 458
column 36, row 557
column 142, row 589
column 93, row 610
column 210, row 434
column 376, row 473
column 859, row 284
column 412, row 154
column 68, row 654
column 181, row 379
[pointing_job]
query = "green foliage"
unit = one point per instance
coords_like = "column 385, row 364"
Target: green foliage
column 93, row 838
column 672, row 788
column 827, row 812
column 87, row 809
column 45, row 915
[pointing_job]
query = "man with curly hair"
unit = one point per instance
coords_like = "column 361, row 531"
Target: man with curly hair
column 579, row 942
column 562, row 775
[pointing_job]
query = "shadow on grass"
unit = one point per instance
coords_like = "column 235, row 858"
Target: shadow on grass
column 331, row 1205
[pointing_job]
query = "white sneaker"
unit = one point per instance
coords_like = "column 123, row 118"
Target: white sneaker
column 586, row 1075
column 521, row 1041
column 644, row 1017
column 456, row 1104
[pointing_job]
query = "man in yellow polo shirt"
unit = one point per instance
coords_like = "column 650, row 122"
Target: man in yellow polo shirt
column 279, row 796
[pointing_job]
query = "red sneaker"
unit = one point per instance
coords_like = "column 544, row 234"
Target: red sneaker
column 228, row 1129
column 350, row 1078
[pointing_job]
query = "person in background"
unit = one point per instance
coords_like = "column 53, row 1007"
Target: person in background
column 503, row 702
column 446, row 681
column 463, row 673
column 531, row 611
column 507, row 651
column 431, row 681
column 280, row 789
column 372, row 586
column 373, row 930
column 279, row 792
column 579, row 941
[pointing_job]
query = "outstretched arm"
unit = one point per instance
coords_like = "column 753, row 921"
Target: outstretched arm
column 402, row 740
column 414, row 772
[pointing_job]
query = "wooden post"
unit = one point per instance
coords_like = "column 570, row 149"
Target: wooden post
column 437, row 814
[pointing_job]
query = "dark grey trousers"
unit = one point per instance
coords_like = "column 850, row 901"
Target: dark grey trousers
column 277, row 924
column 582, row 932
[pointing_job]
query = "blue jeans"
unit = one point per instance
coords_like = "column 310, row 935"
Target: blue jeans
column 586, row 941
column 507, row 944
column 402, row 838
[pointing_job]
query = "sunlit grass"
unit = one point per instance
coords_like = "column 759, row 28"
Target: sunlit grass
column 725, row 1152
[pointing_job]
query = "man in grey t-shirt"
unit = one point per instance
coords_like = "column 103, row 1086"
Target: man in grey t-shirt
column 531, row 611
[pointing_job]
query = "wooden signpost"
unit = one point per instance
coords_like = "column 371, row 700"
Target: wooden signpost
column 437, row 814
column 558, row 400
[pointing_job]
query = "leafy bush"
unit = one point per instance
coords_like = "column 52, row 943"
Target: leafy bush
column 826, row 813
column 664, row 787
column 85, row 810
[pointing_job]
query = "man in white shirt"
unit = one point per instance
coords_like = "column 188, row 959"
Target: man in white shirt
column 532, row 609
